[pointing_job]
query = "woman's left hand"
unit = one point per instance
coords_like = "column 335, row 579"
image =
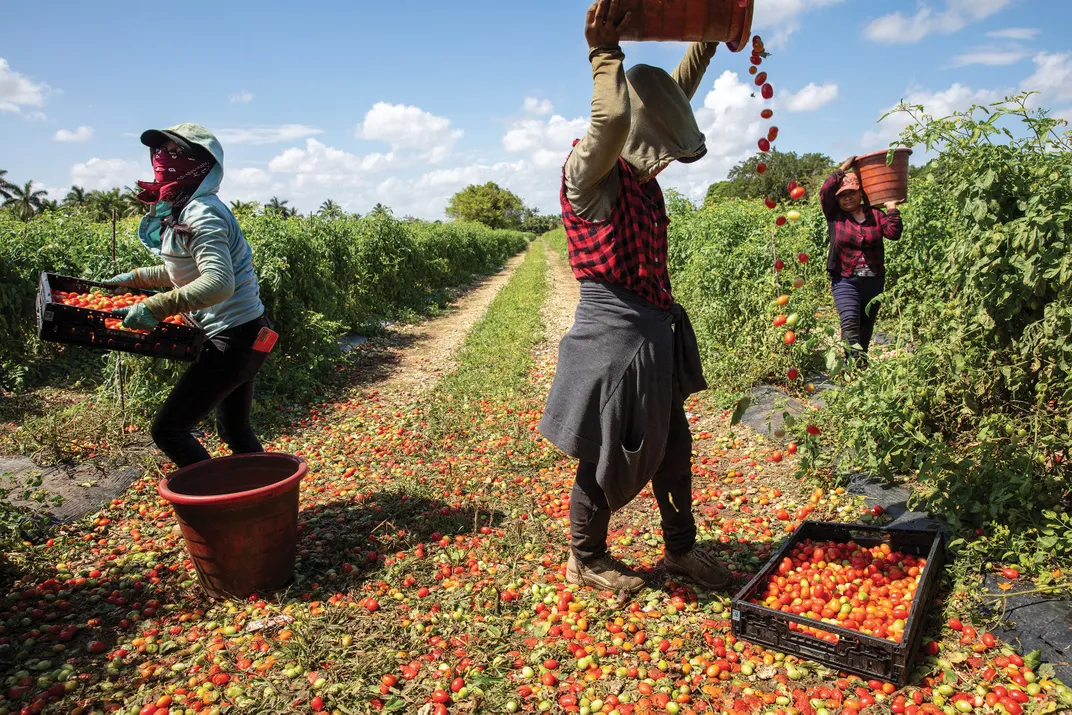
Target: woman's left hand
column 138, row 317
column 890, row 205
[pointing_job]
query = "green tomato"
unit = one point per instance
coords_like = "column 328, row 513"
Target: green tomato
column 792, row 320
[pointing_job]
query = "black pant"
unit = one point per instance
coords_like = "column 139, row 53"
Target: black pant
column 222, row 379
column 590, row 513
column 851, row 296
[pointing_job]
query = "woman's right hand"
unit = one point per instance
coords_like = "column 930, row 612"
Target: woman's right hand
column 123, row 280
column 603, row 26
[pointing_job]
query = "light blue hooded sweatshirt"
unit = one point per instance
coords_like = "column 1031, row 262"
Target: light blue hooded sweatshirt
column 211, row 272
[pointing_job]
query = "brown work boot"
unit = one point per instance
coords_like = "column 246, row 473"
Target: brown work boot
column 700, row 567
column 605, row 573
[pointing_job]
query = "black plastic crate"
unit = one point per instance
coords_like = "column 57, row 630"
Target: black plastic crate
column 60, row 323
column 854, row 652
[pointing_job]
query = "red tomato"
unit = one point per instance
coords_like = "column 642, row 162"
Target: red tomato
column 317, row 703
column 791, row 448
column 790, row 337
column 761, row 167
column 779, row 264
column 440, row 696
column 1010, row 573
column 767, row 91
column 767, row 113
column 802, row 257
column 793, row 374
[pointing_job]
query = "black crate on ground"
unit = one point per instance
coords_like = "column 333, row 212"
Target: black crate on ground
column 60, row 323
column 854, row 652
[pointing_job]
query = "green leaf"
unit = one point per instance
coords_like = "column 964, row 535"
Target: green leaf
column 395, row 703
column 1033, row 659
column 742, row 406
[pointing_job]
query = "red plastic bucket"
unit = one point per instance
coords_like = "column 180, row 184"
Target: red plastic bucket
column 239, row 516
column 691, row 21
column 884, row 183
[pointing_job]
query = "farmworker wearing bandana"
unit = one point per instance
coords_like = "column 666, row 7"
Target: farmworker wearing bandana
column 856, row 260
column 207, row 270
column 630, row 359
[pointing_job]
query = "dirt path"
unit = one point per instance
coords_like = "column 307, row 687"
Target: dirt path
column 563, row 294
column 430, row 346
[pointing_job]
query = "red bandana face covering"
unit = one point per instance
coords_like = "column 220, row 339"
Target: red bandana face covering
column 177, row 177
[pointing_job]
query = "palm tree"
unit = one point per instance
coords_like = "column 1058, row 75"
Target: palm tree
column 277, row 207
column 5, row 185
column 49, row 205
column 330, row 209
column 75, row 197
column 243, row 207
column 102, row 203
column 381, row 210
column 130, row 205
column 25, row 201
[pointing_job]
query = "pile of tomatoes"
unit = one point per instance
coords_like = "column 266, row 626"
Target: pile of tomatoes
column 108, row 302
column 864, row 589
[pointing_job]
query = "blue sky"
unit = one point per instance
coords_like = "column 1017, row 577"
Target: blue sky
column 405, row 102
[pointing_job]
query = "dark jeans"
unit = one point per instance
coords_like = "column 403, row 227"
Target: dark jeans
column 851, row 296
column 221, row 380
column 590, row 513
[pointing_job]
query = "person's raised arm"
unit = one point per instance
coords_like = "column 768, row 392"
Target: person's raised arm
column 690, row 73
column 892, row 224
column 828, row 194
column 596, row 155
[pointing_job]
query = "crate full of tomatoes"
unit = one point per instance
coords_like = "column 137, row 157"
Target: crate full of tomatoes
column 852, row 597
column 80, row 312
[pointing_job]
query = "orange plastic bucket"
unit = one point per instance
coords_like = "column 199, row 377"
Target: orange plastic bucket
column 727, row 21
column 884, row 183
column 239, row 517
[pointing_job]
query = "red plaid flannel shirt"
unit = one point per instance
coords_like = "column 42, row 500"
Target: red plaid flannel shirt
column 629, row 248
column 856, row 245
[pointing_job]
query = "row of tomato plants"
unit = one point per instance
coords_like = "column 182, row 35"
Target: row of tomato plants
column 972, row 405
column 321, row 278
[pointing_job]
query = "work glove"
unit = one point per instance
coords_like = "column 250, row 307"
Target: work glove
column 138, row 317
column 123, row 280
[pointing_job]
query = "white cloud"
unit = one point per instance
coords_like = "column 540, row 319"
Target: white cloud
column 323, row 165
column 1015, row 33
column 81, row 134
column 1053, row 77
column 16, row 91
column 937, row 104
column 812, row 97
column 992, row 56
column 273, row 134
column 896, row 28
column 784, row 17
column 241, row 97
column 547, row 142
column 406, row 127
column 106, row 174
column 538, row 106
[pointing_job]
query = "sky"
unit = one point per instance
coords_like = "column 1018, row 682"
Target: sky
column 405, row 102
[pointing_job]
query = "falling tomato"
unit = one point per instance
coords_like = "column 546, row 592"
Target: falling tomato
column 767, row 113
column 802, row 257
column 793, row 374
column 767, row 91
column 797, row 193
column 761, row 167
column 779, row 264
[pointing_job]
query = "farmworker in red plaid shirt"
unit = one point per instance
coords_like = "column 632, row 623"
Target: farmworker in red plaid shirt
column 631, row 358
column 856, row 260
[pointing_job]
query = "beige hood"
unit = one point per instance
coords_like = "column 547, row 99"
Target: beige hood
column 663, row 128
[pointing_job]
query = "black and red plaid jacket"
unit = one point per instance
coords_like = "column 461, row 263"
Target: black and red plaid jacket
column 856, row 245
column 627, row 249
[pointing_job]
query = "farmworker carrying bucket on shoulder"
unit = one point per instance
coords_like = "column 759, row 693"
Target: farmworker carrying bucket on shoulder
column 856, row 260
column 207, row 269
column 631, row 358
